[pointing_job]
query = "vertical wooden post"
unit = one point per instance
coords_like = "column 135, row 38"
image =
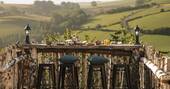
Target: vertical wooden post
column 34, row 54
column 135, row 69
column 109, row 71
column 15, row 69
column 147, row 78
column 9, row 74
column 166, row 68
column 142, row 75
column 84, row 71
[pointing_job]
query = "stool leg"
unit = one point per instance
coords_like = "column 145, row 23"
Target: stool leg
column 113, row 77
column 52, row 73
column 54, row 77
column 73, row 77
column 103, row 77
column 90, row 77
column 128, row 76
column 76, row 77
column 59, row 77
column 63, row 77
column 39, row 77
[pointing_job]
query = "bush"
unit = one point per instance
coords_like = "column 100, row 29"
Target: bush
column 161, row 31
column 94, row 3
column 98, row 26
column 128, row 8
column 162, row 10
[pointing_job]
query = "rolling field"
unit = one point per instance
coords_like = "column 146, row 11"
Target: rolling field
column 160, row 42
column 113, row 4
column 153, row 21
column 149, row 16
column 106, row 19
column 161, row 1
column 15, row 24
column 152, row 18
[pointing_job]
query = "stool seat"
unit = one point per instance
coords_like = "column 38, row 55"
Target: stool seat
column 68, row 70
column 97, row 60
column 68, row 59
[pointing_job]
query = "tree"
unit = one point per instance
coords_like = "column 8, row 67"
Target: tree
column 87, row 38
column 67, row 34
column 2, row 2
column 94, row 3
column 123, row 36
column 162, row 10
column 1, row 42
column 43, row 7
column 57, row 18
column 140, row 2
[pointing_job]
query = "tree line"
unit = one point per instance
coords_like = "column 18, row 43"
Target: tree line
column 65, row 15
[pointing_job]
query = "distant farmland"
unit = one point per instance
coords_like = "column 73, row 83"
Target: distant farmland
column 150, row 18
column 15, row 24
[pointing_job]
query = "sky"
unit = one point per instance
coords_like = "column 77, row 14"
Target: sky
column 56, row 1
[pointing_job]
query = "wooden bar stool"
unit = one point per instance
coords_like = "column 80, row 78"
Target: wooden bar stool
column 68, row 70
column 97, row 62
column 125, row 68
column 46, row 72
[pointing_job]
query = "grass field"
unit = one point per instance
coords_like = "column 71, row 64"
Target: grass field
column 106, row 19
column 161, row 1
column 151, row 19
column 113, row 4
column 15, row 24
column 21, row 6
column 150, row 16
column 160, row 42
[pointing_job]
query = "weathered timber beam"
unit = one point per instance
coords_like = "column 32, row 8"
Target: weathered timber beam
column 80, row 47
column 118, row 50
column 155, row 69
column 163, row 76
column 12, row 63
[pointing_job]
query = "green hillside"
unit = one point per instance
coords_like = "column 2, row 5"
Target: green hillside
column 112, row 4
column 106, row 19
column 161, row 1
column 161, row 42
column 147, row 19
column 13, row 19
column 15, row 24
column 153, row 21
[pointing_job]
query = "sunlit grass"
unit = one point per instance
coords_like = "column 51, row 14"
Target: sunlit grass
column 106, row 19
column 161, row 1
column 160, row 42
column 114, row 4
column 26, row 17
column 153, row 21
